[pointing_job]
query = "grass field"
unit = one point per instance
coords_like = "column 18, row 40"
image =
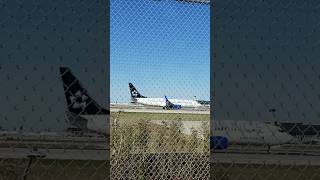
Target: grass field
column 135, row 132
column 12, row 169
column 99, row 170
column 264, row 172
column 132, row 116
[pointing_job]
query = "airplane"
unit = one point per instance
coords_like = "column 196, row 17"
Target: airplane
column 226, row 132
column 84, row 114
column 137, row 98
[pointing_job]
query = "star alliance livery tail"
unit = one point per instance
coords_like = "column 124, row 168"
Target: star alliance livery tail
column 134, row 93
column 84, row 114
column 78, row 100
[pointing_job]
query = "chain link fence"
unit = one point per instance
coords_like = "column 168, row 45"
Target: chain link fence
column 266, row 89
column 159, row 62
column 54, row 90
column 145, row 149
column 55, row 122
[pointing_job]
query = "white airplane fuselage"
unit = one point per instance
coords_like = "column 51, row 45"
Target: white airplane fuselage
column 160, row 102
column 250, row 132
column 97, row 123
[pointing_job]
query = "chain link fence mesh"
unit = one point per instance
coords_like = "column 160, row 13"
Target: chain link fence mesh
column 266, row 89
column 265, row 77
column 162, row 49
column 47, row 124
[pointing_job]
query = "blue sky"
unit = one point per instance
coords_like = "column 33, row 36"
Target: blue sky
column 162, row 47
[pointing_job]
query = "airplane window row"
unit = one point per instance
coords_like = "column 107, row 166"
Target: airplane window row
column 235, row 129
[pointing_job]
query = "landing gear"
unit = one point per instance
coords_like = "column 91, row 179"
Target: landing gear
column 268, row 150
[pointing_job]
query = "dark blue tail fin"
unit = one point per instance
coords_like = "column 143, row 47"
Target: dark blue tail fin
column 78, row 100
column 170, row 105
column 134, row 92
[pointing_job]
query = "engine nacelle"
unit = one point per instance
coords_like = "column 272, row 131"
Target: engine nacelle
column 218, row 142
column 176, row 106
column 172, row 107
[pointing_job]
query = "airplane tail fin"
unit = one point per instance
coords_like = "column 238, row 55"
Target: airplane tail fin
column 134, row 92
column 168, row 103
column 78, row 100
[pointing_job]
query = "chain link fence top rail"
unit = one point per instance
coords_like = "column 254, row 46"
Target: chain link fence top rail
column 159, row 49
column 266, row 89
column 54, row 92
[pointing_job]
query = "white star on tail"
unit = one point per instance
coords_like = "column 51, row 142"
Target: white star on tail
column 79, row 100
